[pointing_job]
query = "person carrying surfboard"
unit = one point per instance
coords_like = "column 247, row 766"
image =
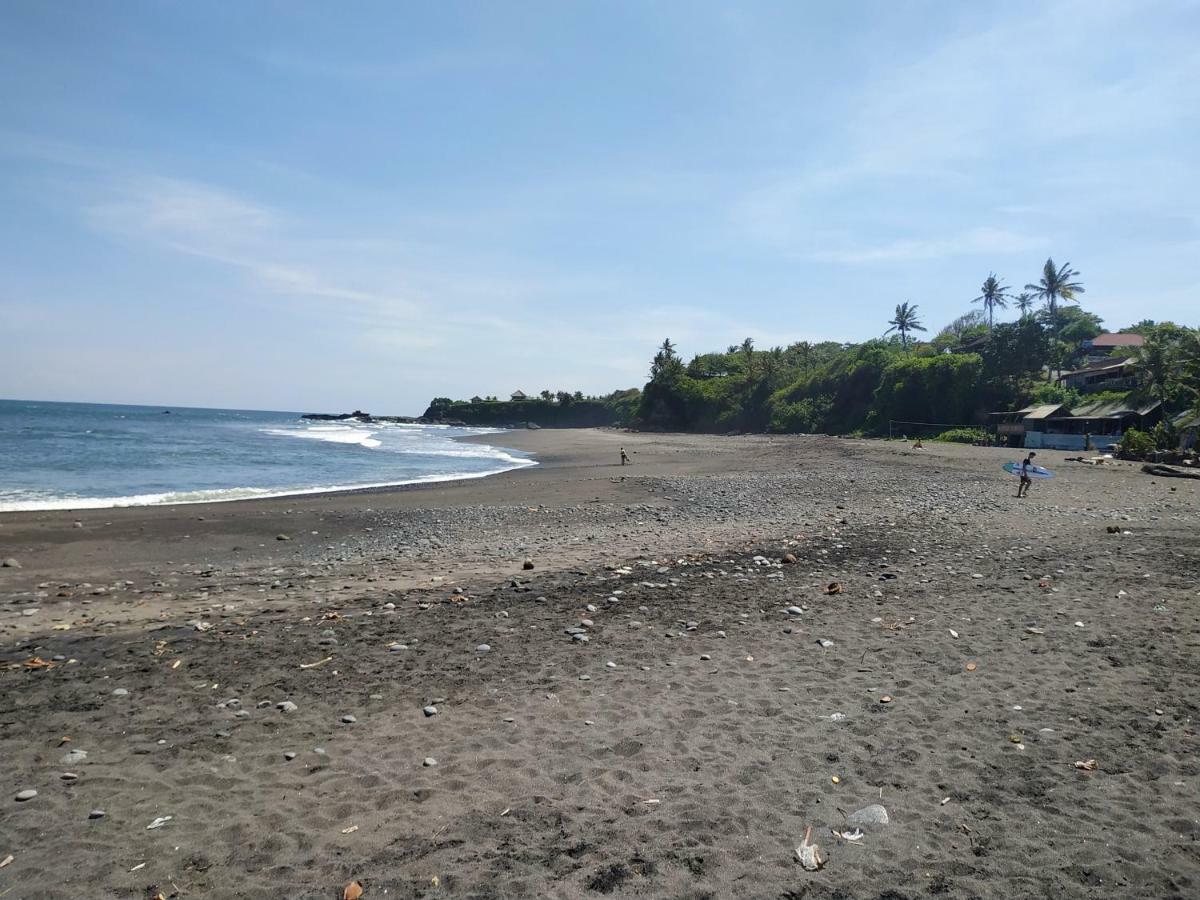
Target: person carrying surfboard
column 1026, row 481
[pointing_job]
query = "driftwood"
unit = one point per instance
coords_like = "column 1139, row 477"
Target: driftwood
column 1168, row 472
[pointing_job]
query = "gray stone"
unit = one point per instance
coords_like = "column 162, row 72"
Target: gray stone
column 348, row 720
column 26, row 795
column 120, row 692
column 69, row 776
column 96, row 814
column 71, row 757
column 429, row 762
column 282, row 537
column 286, row 706
column 290, row 755
column 580, row 638
column 795, row 611
column 483, row 648
column 396, row 648
column 10, row 563
column 430, row 711
column 874, row 814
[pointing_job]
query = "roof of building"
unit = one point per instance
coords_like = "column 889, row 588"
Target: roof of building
column 1187, row 420
column 1045, row 411
column 1118, row 340
column 1100, row 365
column 1111, row 409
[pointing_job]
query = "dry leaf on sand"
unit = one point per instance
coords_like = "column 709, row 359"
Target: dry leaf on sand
column 1087, row 765
column 353, row 891
column 834, row 587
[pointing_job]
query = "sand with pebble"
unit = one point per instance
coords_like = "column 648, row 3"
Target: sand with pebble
column 726, row 645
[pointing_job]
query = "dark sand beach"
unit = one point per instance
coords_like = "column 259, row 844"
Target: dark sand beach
column 249, row 714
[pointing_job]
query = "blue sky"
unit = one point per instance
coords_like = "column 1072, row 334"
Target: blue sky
column 322, row 206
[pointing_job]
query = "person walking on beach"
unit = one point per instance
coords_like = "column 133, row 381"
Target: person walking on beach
column 625, row 460
column 1026, row 481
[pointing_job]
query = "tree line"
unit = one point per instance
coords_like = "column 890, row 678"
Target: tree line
column 973, row 366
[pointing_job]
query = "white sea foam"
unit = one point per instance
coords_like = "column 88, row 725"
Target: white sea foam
column 334, row 434
column 226, row 495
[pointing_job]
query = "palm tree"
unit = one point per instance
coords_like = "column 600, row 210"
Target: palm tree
column 1056, row 285
column 1024, row 303
column 994, row 294
column 746, row 348
column 1156, row 363
column 905, row 321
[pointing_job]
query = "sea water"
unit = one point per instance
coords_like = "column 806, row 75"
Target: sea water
column 85, row 455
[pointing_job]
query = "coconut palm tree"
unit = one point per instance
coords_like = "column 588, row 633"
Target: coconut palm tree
column 905, row 321
column 1024, row 303
column 1055, row 286
column 994, row 294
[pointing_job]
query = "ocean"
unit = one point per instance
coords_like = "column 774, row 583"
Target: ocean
column 92, row 456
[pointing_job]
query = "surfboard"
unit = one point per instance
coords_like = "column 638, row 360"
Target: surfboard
column 1014, row 468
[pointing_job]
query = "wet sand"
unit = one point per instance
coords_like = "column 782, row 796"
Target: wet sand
column 682, row 749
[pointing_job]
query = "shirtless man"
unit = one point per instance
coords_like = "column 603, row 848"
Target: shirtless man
column 1026, row 481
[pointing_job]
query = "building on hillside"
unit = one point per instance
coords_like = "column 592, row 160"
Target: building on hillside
column 1055, row 427
column 519, row 395
column 1187, row 426
column 1102, row 375
column 1106, row 343
column 476, row 399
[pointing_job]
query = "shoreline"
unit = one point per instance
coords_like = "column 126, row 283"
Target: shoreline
column 272, row 494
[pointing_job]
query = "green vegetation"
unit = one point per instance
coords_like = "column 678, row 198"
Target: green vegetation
column 962, row 435
column 973, row 366
column 549, row 410
column 1136, row 444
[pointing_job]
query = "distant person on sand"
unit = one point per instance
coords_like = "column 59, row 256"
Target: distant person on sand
column 1026, row 481
column 917, row 445
column 625, row 460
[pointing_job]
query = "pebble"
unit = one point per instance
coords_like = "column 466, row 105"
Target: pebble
column 96, row 814
column 348, row 720
column 286, row 706
column 483, row 648
column 705, row 656
column 69, row 776
column 430, row 711
column 429, row 762
column 282, row 537
column 825, row 642
column 396, row 648
column 794, row 611
column 610, row 664
column 26, row 795
column 875, row 814
column 290, row 755
column 71, row 757
column 10, row 563
column 120, row 692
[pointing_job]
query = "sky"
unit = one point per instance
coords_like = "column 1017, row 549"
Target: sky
column 320, row 207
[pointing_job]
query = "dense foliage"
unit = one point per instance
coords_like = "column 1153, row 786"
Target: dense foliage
column 548, row 410
column 973, row 366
